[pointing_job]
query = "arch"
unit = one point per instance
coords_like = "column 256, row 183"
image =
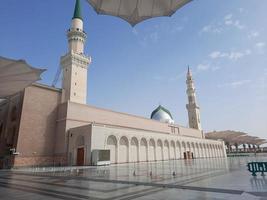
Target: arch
column 205, row 147
column 203, row 154
column 188, row 146
column 200, row 150
column 218, row 151
column 197, row 150
column 123, row 150
column 143, row 150
column 159, row 150
column 112, row 145
column 183, row 150
column 134, row 149
column 193, row 150
column 183, row 146
column 166, row 150
column 213, row 150
column 178, row 150
column 152, row 150
column 210, row 150
column 172, row 150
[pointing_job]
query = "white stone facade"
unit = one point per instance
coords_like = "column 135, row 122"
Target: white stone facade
column 133, row 145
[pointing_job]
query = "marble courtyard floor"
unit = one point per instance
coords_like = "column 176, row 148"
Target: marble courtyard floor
column 200, row 179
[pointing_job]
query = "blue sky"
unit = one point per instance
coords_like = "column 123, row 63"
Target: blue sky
column 135, row 69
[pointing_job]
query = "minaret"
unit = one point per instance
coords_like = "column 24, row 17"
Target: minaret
column 192, row 107
column 75, row 63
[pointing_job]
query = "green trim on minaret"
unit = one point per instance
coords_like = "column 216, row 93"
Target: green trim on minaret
column 77, row 11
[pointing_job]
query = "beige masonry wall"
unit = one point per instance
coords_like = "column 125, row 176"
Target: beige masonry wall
column 71, row 115
column 36, row 138
column 133, row 145
column 85, row 113
column 80, row 114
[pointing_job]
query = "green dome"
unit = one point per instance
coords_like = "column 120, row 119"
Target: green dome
column 160, row 109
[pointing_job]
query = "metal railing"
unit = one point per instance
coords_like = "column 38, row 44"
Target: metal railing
column 255, row 167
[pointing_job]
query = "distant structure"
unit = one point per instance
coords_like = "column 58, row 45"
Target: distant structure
column 47, row 126
column 236, row 138
column 192, row 107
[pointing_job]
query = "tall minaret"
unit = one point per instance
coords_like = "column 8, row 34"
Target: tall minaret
column 75, row 63
column 192, row 107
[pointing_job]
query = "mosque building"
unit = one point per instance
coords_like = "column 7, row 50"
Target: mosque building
column 47, row 126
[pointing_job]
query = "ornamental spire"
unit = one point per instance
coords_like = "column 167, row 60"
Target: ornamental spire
column 77, row 11
column 189, row 71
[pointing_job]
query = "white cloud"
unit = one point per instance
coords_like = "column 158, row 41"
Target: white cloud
column 215, row 68
column 203, row 67
column 233, row 55
column 260, row 44
column 260, row 47
column 228, row 17
column 217, row 54
column 253, row 34
column 235, row 84
column 206, row 67
column 241, row 10
column 176, row 29
column 219, row 26
column 248, row 52
column 229, row 21
column 211, row 29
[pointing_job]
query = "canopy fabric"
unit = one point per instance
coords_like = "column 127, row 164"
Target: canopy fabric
column 15, row 75
column 135, row 11
column 234, row 137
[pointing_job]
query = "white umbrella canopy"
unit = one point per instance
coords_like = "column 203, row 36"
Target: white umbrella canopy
column 135, row 11
column 15, row 75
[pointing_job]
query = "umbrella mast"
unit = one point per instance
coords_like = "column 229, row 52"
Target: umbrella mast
column 75, row 63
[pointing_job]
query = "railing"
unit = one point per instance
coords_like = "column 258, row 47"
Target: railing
column 255, row 167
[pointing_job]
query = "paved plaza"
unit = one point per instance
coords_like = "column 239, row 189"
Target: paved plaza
column 201, row 179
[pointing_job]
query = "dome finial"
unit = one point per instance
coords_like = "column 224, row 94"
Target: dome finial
column 77, row 11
